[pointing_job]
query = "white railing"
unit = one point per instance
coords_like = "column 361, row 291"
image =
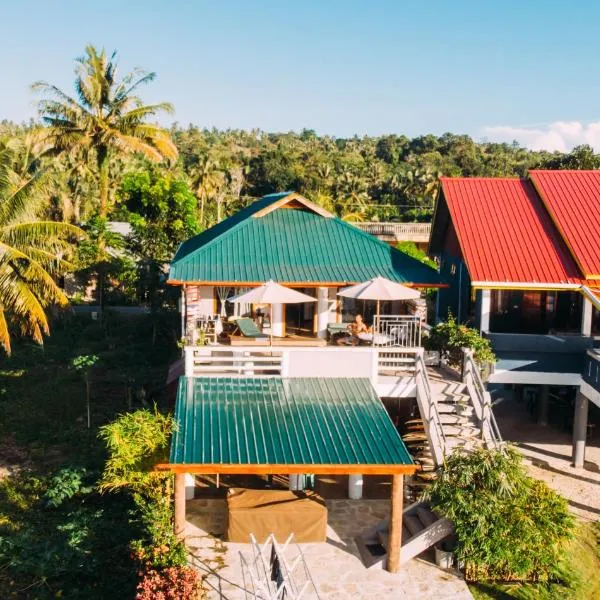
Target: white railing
column 481, row 400
column 400, row 331
column 225, row 361
column 429, row 411
column 289, row 361
column 410, row 232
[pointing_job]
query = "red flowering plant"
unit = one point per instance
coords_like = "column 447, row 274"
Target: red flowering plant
column 172, row 583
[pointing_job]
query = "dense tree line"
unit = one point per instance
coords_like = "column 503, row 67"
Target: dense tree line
column 97, row 155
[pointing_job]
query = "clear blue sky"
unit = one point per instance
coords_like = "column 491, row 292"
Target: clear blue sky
column 340, row 67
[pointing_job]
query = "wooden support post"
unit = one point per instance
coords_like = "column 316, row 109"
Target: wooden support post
column 395, row 537
column 179, row 524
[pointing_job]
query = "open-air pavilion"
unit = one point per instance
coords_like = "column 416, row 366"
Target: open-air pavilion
column 272, row 425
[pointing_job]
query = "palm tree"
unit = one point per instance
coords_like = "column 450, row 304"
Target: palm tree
column 105, row 117
column 32, row 252
column 207, row 178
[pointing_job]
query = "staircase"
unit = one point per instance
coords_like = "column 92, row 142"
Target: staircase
column 421, row 529
column 454, row 414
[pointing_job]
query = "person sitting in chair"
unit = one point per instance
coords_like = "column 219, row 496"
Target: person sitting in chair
column 357, row 326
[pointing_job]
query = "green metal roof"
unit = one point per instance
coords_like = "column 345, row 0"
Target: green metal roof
column 291, row 245
column 275, row 421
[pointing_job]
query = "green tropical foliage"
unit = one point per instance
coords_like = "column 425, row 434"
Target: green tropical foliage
column 33, row 250
column 448, row 337
column 105, row 118
column 509, row 526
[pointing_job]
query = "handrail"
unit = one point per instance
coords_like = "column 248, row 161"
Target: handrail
column 487, row 417
column 392, row 228
column 433, row 415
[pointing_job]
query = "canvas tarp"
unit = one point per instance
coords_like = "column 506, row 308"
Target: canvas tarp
column 262, row 512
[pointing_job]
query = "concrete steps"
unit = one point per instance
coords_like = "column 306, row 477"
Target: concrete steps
column 421, row 529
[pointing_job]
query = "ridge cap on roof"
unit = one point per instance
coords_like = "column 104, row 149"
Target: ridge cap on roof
column 483, row 178
column 252, row 208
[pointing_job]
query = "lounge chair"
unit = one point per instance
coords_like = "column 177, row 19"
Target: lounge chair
column 250, row 333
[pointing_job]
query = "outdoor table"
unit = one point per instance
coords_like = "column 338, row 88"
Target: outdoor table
column 376, row 339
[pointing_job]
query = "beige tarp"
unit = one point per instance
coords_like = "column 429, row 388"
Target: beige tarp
column 280, row 512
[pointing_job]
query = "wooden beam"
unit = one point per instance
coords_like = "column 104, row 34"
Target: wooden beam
column 395, row 537
column 231, row 469
column 179, row 521
column 293, row 196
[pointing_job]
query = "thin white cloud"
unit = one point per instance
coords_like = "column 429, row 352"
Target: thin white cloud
column 561, row 135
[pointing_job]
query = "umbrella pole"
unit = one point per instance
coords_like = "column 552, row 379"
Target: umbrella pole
column 271, row 323
column 377, row 317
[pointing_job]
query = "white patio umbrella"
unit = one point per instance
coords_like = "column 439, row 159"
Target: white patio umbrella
column 378, row 289
column 272, row 293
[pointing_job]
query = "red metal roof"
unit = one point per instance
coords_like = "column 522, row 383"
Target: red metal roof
column 505, row 233
column 573, row 201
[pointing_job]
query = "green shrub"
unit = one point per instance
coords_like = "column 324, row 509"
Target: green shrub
column 449, row 337
column 508, row 525
column 136, row 442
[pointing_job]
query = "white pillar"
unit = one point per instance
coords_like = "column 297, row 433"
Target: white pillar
column 485, row 308
column 277, row 324
column 296, row 482
column 190, row 484
column 580, row 430
column 322, row 311
column 586, row 317
column 355, row 487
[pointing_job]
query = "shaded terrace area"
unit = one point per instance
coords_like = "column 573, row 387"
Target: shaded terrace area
column 275, row 426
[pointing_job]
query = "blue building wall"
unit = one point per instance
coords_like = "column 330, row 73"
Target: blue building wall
column 457, row 297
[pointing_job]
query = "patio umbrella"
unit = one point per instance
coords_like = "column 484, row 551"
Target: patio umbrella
column 272, row 293
column 378, row 289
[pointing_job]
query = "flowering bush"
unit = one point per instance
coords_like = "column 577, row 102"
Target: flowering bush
column 172, row 583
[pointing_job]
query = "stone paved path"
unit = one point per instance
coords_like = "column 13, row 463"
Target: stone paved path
column 548, row 452
column 335, row 566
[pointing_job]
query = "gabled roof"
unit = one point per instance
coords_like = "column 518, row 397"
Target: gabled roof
column 288, row 239
column 573, row 201
column 505, row 233
column 272, row 422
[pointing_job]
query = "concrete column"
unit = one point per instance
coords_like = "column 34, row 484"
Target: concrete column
column 485, row 307
column 395, row 537
column 543, row 405
column 296, row 482
column 190, row 486
column 277, row 324
column 355, row 487
column 586, row 317
column 179, row 521
column 322, row 311
column 580, row 430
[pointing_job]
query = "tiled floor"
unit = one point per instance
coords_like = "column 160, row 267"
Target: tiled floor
column 335, row 566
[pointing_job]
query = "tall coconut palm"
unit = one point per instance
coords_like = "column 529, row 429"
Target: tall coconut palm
column 105, row 116
column 32, row 252
column 207, row 178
